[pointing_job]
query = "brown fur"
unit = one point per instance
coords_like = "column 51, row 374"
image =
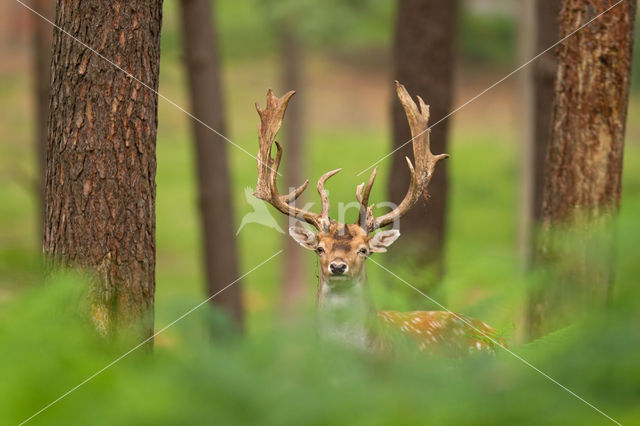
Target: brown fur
column 343, row 242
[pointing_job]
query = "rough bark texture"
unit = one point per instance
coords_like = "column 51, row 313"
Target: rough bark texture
column 424, row 63
column 294, row 273
column 42, row 42
column 582, row 181
column 220, row 253
column 101, row 162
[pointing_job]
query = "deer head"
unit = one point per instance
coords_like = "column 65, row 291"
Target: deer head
column 343, row 248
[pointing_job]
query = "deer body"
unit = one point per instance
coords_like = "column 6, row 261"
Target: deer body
column 345, row 308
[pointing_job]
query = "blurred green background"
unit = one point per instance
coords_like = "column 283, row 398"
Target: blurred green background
column 279, row 375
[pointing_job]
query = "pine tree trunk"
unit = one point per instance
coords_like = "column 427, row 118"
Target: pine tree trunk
column 101, row 155
column 220, row 252
column 582, row 180
column 294, row 274
column 424, row 63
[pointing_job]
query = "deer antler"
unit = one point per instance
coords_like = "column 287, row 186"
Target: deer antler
column 266, row 188
column 365, row 217
column 420, row 175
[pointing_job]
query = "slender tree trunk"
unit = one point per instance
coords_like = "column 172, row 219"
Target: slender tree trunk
column 294, row 274
column 526, row 25
column 42, row 43
column 540, row 79
column 424, row 63
column 582, row 181
column 220, row 252
column 544, row 77
column 101, row 160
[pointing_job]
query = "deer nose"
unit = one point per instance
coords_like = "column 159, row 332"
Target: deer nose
column 338, row 267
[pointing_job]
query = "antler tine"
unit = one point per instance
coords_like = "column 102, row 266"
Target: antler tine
column 266, row 189
column 363, row 199
column 324, row 197
column 425, row 161
column 295, row 193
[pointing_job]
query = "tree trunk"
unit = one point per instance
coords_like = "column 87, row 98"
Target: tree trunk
column 101, row 156
column 541, row 78
column 42, row 42
column 220, row 253
column 424, row 63
column 294, row 273
column 582, row 180
column 544, row 77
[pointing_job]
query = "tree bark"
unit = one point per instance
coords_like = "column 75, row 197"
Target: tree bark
column 220, row 252
column 101, row 155
column 294, row 274
column 42, row 44
column 541, row 78
column 582, row 180
column 424, row 63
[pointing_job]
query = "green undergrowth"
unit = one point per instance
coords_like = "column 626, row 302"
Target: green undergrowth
column 286, row 376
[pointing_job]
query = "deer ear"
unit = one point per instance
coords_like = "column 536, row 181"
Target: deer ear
column 382, row 240
column 304, row 237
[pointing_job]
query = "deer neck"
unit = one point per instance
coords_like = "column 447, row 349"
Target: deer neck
column 345, row 311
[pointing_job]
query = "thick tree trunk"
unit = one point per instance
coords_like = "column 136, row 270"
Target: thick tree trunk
column 101, row 161
column 220, row 253
column 424, row 63
column 42, row 43
column 294, row 274
column 540, row 78
column 582, row 180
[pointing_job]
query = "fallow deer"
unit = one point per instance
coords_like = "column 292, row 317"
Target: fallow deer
column 345, row 307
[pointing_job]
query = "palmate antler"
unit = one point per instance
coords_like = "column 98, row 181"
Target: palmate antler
column 420, row 175
column 267, row 190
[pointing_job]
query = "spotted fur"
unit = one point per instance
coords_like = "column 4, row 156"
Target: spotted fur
column 442, row 332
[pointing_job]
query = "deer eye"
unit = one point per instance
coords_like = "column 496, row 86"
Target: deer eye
column 363, row 251
column 319, row 250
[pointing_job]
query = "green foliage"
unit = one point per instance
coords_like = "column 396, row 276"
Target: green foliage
column 487, row 39
column 286, row 376
column 251, row 28
column 337, row 23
